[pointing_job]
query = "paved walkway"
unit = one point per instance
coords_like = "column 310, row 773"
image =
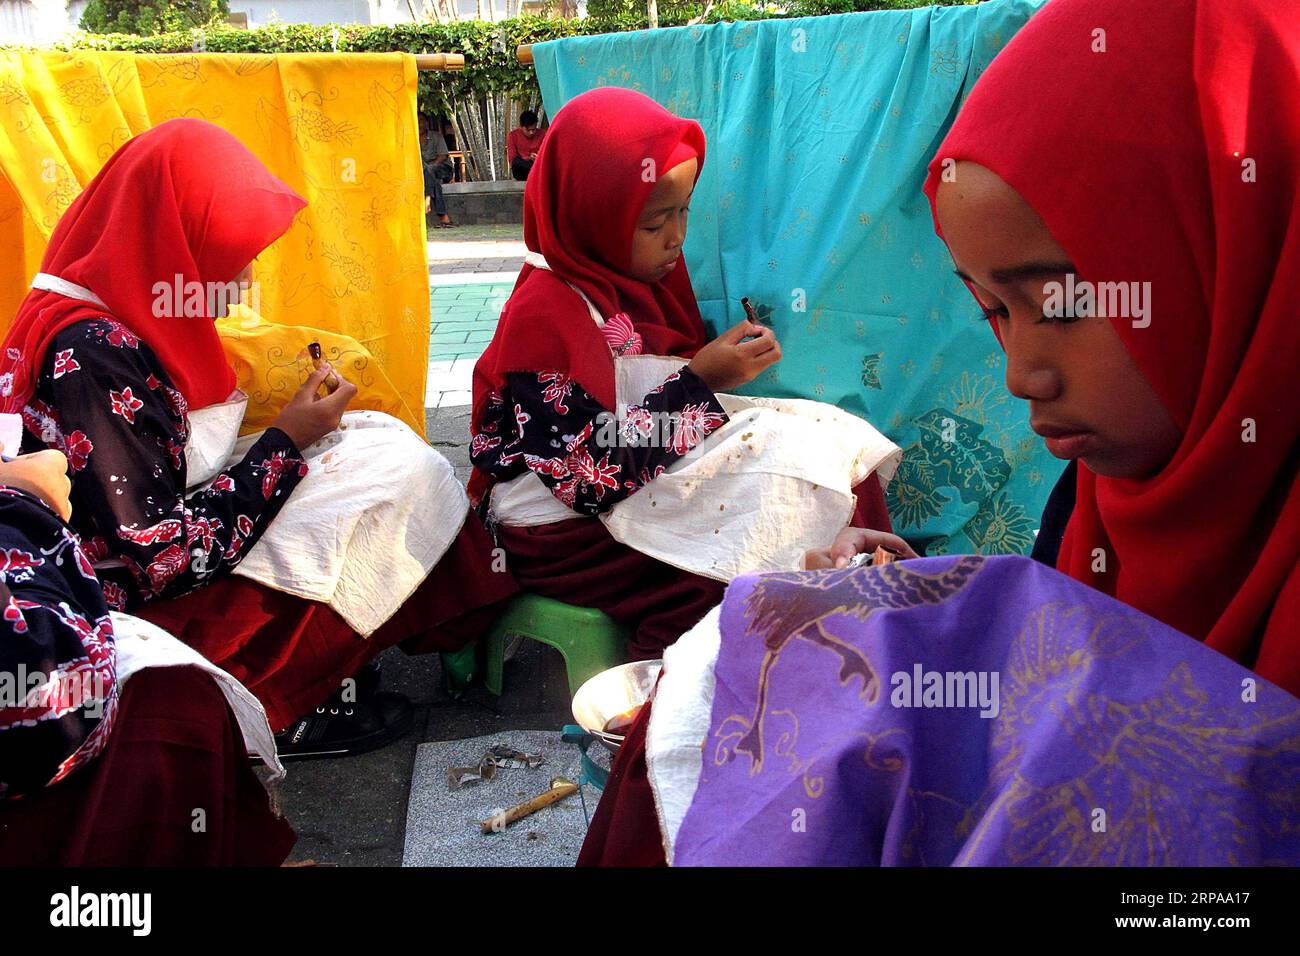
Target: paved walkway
column 464, row 257
column 463, row 319
column 470, row 283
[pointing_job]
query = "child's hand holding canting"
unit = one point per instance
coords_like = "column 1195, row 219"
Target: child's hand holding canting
column 728, row 362
column 853, row 541
column 307, row 418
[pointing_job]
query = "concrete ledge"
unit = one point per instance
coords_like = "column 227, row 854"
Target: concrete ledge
column 505, row 186
column 480, row 203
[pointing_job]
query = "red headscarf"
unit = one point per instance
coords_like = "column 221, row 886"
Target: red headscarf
column 581, row 205
column 1136, row 159
column 183, row 199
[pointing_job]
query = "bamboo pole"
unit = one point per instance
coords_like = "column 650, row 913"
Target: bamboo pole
column 524, row 54
column 441, row 62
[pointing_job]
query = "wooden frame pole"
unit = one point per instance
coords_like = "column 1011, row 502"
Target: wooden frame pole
column 440, row 62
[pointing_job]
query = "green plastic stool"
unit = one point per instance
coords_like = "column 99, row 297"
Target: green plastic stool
column 587, row 638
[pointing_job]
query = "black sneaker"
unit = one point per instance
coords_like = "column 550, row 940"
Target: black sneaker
column 341, row 730
column 367, row 677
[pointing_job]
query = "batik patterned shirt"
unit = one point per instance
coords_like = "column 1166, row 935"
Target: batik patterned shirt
column 58, row 676
column 105, row 401
column 590, row 459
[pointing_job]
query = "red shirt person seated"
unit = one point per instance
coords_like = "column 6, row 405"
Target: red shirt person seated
column 523, row 144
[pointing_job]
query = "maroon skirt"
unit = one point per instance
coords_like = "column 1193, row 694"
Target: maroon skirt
column 625, row 828
column 293, row 653
column 173, row 787
column 578, row 562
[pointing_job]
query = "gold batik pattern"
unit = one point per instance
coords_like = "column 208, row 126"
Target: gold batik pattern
column 340, row 130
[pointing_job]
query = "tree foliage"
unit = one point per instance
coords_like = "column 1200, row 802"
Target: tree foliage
column 151, row 17
column 489, row 48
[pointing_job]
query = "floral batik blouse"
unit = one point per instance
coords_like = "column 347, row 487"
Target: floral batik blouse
column 105, row 401
column 589, row 460
column 58, row 664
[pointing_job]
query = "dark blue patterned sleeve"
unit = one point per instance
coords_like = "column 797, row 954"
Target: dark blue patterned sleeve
column 588, row 457
column 104, row 400
column 58, row 681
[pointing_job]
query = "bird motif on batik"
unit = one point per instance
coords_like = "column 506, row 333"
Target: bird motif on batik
column 786, row 607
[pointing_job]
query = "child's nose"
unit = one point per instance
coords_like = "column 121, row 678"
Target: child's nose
column 1033, row 372
column 676, row 234
column 1043, row 385
column 1030, row 379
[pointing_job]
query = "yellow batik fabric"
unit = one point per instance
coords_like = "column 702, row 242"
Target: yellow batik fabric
column 339, row 129
column 271, row 360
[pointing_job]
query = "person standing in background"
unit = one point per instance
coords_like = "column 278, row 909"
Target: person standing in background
column 522, row 145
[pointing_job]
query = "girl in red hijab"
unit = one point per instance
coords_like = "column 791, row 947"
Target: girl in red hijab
column 1157, row 146
column 598, row 249
column 104, row 368
column 605, row 213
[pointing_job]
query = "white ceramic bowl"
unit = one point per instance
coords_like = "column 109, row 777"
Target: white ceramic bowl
column 611, row 692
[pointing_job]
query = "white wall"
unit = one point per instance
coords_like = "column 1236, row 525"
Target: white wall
column 262, row 12
column 43, row 21
column 343, row 11
column 32, row 22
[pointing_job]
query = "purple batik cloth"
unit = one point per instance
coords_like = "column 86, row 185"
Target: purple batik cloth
column 982, row 711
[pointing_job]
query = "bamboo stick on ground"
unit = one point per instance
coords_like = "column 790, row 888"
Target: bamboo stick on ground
column 559, row 789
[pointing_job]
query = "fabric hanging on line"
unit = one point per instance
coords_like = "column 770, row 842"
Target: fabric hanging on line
column 353, row 264
column 820, row 130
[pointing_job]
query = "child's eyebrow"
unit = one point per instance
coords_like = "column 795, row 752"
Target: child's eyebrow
column 1026, row 270
column 664, row 209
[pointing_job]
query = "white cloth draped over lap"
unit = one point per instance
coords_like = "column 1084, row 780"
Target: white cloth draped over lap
column 776, row 480
column 679, row 724
column 141, row 644
column 376, row 511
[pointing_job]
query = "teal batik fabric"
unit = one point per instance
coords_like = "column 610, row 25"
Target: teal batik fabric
column 820, row 130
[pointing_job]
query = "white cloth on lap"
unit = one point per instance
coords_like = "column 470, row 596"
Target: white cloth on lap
column 774, row 481
column 376, row 511
column 141, row 644
column 679, row 723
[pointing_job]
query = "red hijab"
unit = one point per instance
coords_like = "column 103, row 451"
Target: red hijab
column 1133, row 158
column 182, row 199
column 581, row 205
